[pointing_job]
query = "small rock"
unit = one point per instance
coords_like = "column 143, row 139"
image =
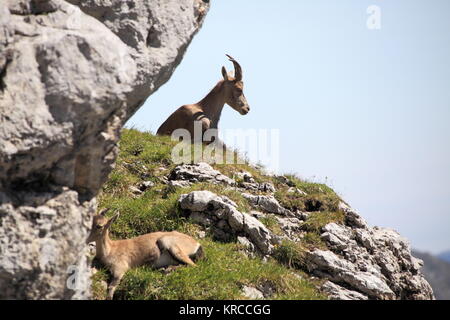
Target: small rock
column 199, row 172
column 201, row 234
column 197, row 200
column 245, row 176
column 335, row 292
column 134, row 190
column 263, row 187
column 285, row 180
column 267, row 203
column 179, row 183
column 252, row 293
column 297, row 190
column 146, row 185
column 246, row 243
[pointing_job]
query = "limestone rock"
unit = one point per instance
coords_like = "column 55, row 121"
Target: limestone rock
column 71, row 73
column 178, row 183
column 254, row 186
column 339, row 270
column 352, row 218
column 248, row 245
column 143, row 186
column 375, row 262
column 199, row 172
column 297, row 190
column 245, row 176
column 252, row 293
column 268, row 204
column 34, row 245
column 135, row 190
column 335, row 292
column 209, row 209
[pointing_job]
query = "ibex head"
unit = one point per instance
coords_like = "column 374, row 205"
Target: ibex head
column 100, row 225
column 234, row 89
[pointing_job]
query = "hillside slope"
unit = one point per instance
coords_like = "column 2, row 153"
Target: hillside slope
column 265, row 236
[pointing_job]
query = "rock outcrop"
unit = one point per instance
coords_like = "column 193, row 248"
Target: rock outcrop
column 71, row 73
column 267, row 203
column 221, row 214
column 360, row 262
column 376, row 262
column 183, row 175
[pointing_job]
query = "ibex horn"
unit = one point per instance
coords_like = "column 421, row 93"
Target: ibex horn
column 237, row 68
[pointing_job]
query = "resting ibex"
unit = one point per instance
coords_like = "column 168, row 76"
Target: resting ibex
column 158, row 249
column 208, row 110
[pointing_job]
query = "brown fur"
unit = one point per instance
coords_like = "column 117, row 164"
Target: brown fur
column 157, row 249
column 208, row 110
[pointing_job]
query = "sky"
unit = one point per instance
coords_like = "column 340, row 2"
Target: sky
column 365, row 110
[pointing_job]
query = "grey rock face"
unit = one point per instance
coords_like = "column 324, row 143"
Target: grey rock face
column 336, row 292
column 331, row 266
column 71, row 74
column 34, row 245
column 376, row 262
column 220, row 213
column 197, row 172
column 360, row 263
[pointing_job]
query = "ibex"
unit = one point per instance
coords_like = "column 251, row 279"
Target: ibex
column 157, row 249
column 208, row 110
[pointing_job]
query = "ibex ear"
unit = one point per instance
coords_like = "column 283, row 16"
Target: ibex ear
column 103, row 211
column 111, row 221
column 224, row 74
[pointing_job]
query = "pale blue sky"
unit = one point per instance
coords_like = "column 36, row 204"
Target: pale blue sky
column 368, row 109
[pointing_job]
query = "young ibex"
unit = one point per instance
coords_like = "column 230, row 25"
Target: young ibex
column 208, row 110
column 157, row 249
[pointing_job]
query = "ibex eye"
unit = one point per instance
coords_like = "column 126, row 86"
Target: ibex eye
column 99, row 226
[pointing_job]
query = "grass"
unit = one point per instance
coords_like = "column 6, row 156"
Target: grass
column 220, row 276
column 226, row 269
column 290, row 254
column 318, row 197
column 272, row 224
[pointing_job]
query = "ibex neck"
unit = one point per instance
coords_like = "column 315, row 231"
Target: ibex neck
column 103, row 245
column 212, row 104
